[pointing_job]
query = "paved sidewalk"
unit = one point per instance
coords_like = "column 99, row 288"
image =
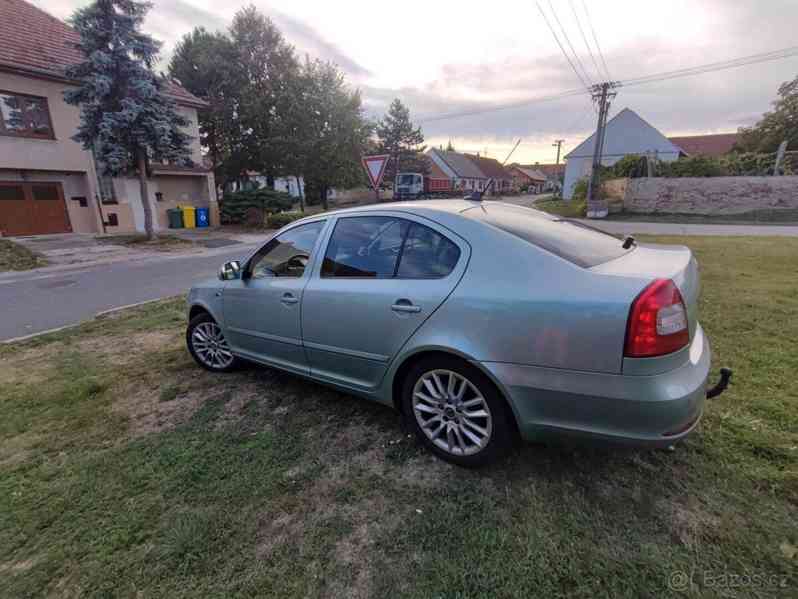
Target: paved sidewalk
column 632, row 228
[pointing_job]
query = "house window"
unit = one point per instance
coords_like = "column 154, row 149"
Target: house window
column 25, row 116
column 107, row 191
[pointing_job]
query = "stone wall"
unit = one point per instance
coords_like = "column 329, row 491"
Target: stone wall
column 704, row 195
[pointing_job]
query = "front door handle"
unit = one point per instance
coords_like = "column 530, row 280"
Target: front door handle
column 288, row 299
column 405, row 305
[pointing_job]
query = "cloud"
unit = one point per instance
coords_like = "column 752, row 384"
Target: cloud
column 170, row 20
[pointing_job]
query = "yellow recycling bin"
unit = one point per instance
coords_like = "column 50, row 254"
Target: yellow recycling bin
column 189, row 220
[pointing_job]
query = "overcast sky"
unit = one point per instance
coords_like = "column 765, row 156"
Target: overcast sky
column 452, row 56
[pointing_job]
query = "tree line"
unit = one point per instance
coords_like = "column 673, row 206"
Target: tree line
column 268, row 110
column 279, row 115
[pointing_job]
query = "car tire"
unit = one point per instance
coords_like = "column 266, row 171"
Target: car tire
column 207, row 345
column 475, row 439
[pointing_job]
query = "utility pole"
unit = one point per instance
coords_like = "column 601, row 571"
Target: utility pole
column 603, row 94
column 558, row 144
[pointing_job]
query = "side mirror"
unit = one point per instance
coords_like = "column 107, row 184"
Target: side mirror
column 230, row 271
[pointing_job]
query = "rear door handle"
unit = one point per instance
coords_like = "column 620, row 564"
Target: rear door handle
column 289, row 299
column 404, row 305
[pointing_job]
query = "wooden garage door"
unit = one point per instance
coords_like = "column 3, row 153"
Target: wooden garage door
column 32, row 208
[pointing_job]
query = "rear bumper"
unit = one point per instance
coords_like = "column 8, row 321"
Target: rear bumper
column 654, row 410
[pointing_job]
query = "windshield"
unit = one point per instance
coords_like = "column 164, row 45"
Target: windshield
column 405, row 179
column 574, row 241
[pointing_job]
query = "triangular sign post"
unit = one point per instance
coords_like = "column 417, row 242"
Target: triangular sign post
column 375, row 169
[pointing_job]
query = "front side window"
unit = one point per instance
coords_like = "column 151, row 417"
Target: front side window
column 286, row 255
column 365, row 246
column 384, row 247
column 24, row 116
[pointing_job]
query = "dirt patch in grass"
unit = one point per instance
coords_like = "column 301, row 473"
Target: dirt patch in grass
column 14, row 256
column 161, row 243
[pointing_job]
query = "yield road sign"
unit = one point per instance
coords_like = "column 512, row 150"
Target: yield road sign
column 375, row 168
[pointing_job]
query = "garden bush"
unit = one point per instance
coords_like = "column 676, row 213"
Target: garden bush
column 251, row 207
column 281, row 219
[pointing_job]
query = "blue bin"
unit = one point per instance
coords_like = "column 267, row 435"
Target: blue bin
column 202, row 217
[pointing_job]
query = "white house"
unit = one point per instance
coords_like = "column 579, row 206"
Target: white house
column 626, row 133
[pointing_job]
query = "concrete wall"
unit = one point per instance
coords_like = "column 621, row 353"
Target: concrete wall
column 706, row 195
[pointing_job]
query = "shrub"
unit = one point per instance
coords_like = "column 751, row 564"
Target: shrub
column 580, row 189
column 281, row 219
column 630, row 166
column 252, row 206
column 730, row 165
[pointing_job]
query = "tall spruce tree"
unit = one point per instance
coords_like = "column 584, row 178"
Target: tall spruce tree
column 402, row 140
column 125, row 117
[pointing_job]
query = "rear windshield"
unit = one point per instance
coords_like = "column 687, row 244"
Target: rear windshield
column 571, row 240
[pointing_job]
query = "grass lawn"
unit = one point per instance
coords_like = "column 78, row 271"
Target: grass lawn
column 14, row 256
column 127, row 471
column 568, row 209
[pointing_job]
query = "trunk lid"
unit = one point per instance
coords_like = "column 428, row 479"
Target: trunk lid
column 653, row 261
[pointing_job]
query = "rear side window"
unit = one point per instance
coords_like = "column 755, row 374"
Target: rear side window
column 426, row 254
column 580, row 244
column 384, row 247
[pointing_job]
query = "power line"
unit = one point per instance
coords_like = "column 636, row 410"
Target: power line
column 556, row 39
column 714, row 66
column 584, row 39
column 595, row 39
column 664, row 76
column 568, row 41
column 521, row 104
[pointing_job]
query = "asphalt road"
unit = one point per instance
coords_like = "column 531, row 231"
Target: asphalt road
column 34, row 302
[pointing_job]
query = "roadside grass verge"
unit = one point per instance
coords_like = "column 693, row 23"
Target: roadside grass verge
column 568, row 209
column 126, row 470
column 14, row 256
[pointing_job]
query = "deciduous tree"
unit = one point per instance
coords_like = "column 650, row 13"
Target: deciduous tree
column 775, row 126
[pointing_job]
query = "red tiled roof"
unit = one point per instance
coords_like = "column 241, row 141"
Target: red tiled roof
column 551, row 170
column 490, row 166
column 36, row 43
column 708, row 145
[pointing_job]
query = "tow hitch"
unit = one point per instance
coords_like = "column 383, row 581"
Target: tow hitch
column 725, row 377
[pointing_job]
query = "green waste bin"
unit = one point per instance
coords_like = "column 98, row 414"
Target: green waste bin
column 175, row 216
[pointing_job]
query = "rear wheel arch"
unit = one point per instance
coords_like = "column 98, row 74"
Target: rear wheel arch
column 406, row 366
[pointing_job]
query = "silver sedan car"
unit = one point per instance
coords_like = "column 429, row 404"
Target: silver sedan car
column 478, row 321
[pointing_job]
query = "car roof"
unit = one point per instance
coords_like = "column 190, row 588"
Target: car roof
column 417, row 207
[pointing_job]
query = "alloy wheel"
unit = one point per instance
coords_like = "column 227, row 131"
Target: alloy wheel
column 210, row 346
column 452, row 412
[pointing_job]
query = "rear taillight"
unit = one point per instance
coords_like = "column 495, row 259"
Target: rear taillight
column 657, row 321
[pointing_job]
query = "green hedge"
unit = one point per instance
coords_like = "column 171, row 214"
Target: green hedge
column 252, row 207
column 281, row 219
column 729, row 165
